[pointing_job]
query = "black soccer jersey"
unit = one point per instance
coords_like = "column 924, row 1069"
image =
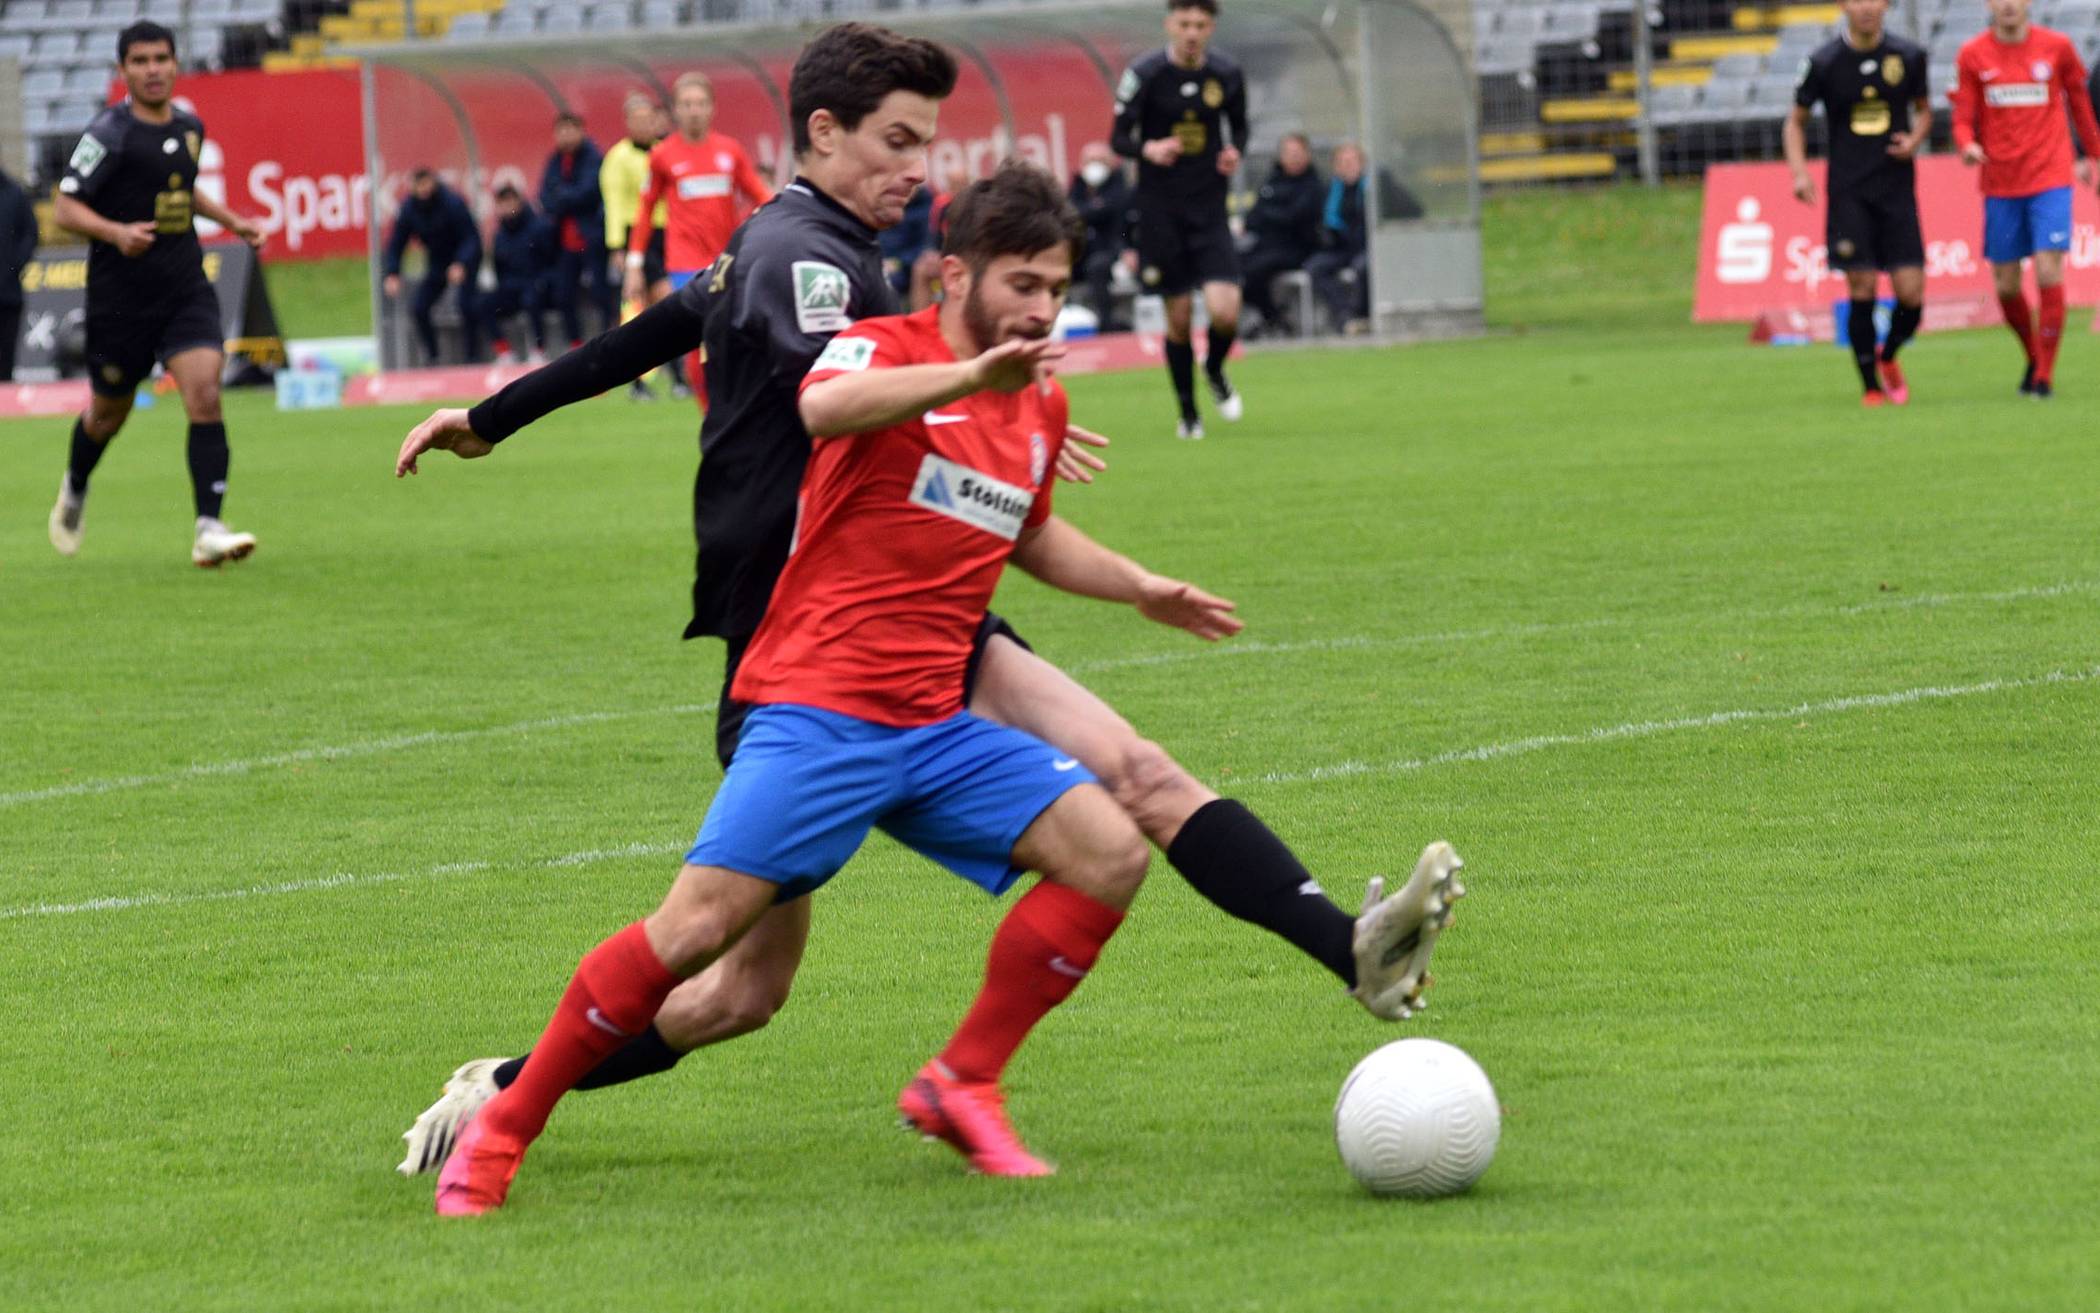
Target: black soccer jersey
column 130, row 171
column 1867, row 96
column 1204, row 108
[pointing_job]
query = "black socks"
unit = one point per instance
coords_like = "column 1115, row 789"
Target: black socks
column 1230, row 857
column 1859, row 328
column 1903, row 325
column 1181, row 365
column 1221, row 340
column 645, row 1055
column 209, row 460
column 86, row 453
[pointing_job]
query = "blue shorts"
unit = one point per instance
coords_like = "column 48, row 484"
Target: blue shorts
column 807, row 785
column 680, row 279
column 2015, row 227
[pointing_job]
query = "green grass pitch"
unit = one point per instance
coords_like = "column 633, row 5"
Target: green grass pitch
column 1767, row 727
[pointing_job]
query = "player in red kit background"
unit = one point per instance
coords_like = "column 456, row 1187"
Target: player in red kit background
column 698, row 174
column 2012, row 84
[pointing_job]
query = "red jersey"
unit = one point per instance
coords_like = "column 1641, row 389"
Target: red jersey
column 698, row 182
column 900, row 537
column 2011, row 98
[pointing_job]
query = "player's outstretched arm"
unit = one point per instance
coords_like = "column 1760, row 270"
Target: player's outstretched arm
column 447, row 430
column 1066, row 559
column 869, row 399
column 665, row 331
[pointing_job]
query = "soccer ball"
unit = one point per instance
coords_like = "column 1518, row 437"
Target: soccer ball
column 1417, row 1118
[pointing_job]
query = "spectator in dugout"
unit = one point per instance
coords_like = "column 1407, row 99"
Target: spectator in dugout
column 1339, row 271
column 575, row 208
column 1101, row 194
column 527, row 256
column 435, row 217
column 1283, row 228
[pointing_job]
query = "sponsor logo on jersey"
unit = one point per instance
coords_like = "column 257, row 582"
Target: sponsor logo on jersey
column 1892, row 70
column 2042, row 70
column 1213, row 93
column 949, row 488
column 168, row 146
column 821, row 294
column 87, row 156
column 2014, row 95
column 1866, row 67
column 723, row 162
column 703, row 186
column 846, row 353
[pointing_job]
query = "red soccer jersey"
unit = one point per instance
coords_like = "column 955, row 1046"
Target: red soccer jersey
column 900, row 538
column 698, row 182
column 2011, row 98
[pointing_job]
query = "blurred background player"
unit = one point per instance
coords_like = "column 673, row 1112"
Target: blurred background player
column 2013, row 83
column 698, row 174
column 1101, row 193
column 523, row 253
column 436, row 218
column 1872, row 87
column 1283, row 228
column 1172, row 109
column 574, row 208
column 622, row 179
column 130, row 189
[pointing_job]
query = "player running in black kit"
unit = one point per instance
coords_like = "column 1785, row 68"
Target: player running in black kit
column 130, row 188
column 1872, row 86
column 1173, row 108
column 798, row 271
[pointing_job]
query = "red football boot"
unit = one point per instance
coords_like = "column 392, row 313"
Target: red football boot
column 1892, row 383
column 971, row 1116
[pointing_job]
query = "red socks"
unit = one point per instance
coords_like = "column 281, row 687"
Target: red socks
column 696, row 376
column 1041, row 952
column 613, row 997
column 2051, row 335
column 2020, row 318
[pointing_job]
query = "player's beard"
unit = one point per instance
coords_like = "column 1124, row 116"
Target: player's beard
column 985, row 330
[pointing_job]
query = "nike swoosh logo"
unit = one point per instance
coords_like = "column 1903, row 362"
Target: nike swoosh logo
column 1064, row 763
column 1064, row 968
column 1312, row 889
column 935, row 417
column 597, row 1018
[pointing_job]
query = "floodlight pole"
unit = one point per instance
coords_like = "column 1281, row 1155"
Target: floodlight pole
column 1644, row 89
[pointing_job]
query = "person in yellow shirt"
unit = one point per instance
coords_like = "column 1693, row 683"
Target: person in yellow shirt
column 621, row 180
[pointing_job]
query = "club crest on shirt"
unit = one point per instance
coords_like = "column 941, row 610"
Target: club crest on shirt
column 953, row 489
column 1892, row 70
column 822, row 292
column 1213, row 93
column 2042, row 70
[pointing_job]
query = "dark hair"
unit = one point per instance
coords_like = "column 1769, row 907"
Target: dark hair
column 1019, row 210
column 420, row 172
column 568, row 116
column 507, row 193
column 143, row 33
column 850, row 68
column 1207, row 6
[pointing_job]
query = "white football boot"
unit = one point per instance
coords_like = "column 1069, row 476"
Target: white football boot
column 1189, row 430
column 65, row 518
column 431, row 1139
column 216, row 544
column 1230, row 408
column 1394, row 936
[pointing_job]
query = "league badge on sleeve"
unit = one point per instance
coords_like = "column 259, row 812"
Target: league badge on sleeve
column 846, row 353
column 87, row 155
column 822, row 292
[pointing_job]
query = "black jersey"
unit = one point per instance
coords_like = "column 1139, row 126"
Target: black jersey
column 1867, row 96
column 1205, row 108
column 130, row 171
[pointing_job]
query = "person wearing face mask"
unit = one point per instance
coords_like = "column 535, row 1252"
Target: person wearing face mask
column 1101, row 194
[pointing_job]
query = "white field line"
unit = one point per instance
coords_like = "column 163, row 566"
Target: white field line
column 336, row 752
column 372, row 747
column 342, row 880
column 1645, row 728
column 1484, row 752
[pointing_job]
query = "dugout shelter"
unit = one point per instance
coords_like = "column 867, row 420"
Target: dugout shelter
column 1038, row 80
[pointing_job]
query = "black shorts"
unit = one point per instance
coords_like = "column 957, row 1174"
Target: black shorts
column 1179, row 251
column 730, row 713
column 126, row 335
column 653, row 271
column 1870, row 232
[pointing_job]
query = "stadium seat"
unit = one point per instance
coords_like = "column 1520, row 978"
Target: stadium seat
column 15, row 45
column 74, row 14
column 560, row 20
column 609, row 17
column 119, row 13
column 1738, row 68
column 217, row 12
column 88, row 80
column 1525, row 21
column 661, row 14
column 24, row 15
column 470, row 26
column 61, row 48
column 257, row 11
column 514, row 20
column 43, row 83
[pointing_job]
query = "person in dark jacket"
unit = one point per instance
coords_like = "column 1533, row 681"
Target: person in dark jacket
column 1284, row 225
column 524, row 252
column 1101, row 194
column 435, row 217
column 574, row 207
column 904, row 244
column 1339, row 272
column 17, row 247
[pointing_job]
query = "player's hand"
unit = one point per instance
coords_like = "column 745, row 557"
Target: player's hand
column 1075, row 464
column 1163, row 152
column 1804, row 189
column 1014, row 364
column 447, row 430
column 1973, row 153
column 632, row 286
column 1185, row 606
column 391, row 284
column 1904, row 145
column 1229, row 161
column 455, row 274
column 2088, row 173
column 248, row 231
column 132, row 239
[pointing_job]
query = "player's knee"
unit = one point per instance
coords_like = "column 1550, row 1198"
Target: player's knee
column 689, row 935
column 202, row 404
column 752, row 1002
column 1141, row 774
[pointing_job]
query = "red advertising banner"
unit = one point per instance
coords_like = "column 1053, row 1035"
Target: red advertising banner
column 288, row 150
column 1762, row 256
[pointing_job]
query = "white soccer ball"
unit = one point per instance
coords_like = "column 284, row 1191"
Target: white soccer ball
column 1417, row 1118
